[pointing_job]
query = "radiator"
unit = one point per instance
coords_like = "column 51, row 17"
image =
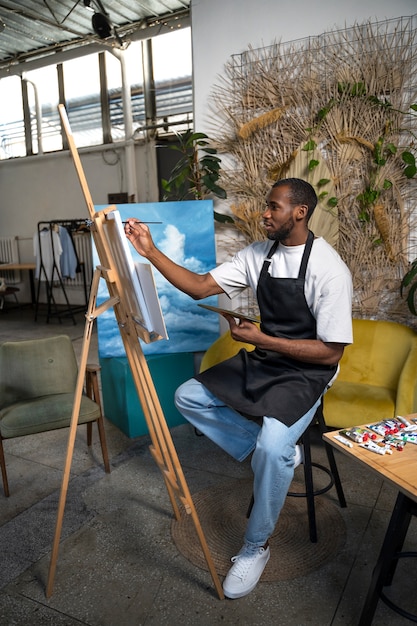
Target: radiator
column 82, row 243
column 9, row 253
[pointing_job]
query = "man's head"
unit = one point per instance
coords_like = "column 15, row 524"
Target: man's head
column 301, row 192
column 290, row 204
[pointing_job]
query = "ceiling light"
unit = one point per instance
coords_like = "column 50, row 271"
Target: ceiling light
column 101, row 25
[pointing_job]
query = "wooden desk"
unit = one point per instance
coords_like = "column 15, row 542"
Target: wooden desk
column 400, row 469
column 30, row 267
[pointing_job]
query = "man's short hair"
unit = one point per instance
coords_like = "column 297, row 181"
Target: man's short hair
column 301, row 192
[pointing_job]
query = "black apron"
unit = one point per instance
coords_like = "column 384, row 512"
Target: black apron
column 263, row 382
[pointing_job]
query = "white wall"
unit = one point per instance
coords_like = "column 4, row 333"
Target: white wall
column 221, row 28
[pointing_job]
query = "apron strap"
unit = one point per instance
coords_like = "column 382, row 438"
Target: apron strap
column 306, row 255
column 304, row 260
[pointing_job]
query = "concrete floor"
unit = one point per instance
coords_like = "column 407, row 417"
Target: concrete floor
column 118, row 564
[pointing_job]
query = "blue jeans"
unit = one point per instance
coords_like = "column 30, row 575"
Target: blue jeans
column 273, row 445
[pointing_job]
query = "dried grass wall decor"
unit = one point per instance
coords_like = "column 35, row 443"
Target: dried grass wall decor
column 335, row 110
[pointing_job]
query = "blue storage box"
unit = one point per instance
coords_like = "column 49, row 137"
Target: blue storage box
column 120, row 398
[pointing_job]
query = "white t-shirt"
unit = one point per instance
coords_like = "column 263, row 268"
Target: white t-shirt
column 328, row 284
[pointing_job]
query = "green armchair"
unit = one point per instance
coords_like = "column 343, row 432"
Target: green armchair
column 37, row 384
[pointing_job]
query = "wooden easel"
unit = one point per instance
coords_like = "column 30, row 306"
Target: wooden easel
column 162, row 448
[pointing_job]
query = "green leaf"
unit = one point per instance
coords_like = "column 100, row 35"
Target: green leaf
column 310, row 145
column 312, row 164
column 408, row 158
column 323, row 181
column 220, row 192
column 413, row 107
column 387, row 184
column 323, row 112
column 197, row 136
column 409, row 276
column 410, row 171
column 364, row 216
column 358, row 89
column 391, row 148
column 332, row 202
column 368, row 197
column 224, row 219
column 380, row 161
column 343, row 87
column 322, row 195
column 411, row 299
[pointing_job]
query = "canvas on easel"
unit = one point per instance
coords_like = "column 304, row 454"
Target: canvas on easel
column 130, row 303
column 137, row 281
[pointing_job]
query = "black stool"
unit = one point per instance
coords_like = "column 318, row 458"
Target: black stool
column 310, row 493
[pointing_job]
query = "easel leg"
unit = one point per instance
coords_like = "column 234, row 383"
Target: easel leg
column 164, row 453
column 72, row 433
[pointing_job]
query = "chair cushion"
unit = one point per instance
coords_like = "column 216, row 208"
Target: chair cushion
column 35, row 368
column 42, row 414
column 349, row 404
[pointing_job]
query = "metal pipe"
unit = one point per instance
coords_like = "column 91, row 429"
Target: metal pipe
column 128, row 124
column 38, row 112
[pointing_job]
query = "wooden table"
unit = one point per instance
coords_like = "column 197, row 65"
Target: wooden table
column 30, row 267
column 400, row 469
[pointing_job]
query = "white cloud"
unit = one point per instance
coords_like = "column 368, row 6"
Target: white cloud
column 173, row 245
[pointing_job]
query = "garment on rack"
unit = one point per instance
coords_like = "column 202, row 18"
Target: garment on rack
column 47, row 249
column 68, row 260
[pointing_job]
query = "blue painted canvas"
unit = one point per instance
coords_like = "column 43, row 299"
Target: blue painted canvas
column 186, row 235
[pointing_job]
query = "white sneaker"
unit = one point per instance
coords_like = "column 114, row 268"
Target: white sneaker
column 298, row 456
column 248, row 566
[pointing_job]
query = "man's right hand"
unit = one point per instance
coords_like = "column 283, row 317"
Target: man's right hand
column 139, row 236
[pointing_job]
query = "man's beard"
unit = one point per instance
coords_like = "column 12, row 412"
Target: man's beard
column 283, row 231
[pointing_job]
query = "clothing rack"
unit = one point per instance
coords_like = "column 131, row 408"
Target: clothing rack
column 48, row 249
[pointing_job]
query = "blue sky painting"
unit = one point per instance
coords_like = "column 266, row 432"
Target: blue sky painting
column 186, row 236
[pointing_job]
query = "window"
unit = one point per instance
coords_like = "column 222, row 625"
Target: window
column 42, row 87
column 82, row 96
column 85, row 93
column 172, row 70
column 12, row 132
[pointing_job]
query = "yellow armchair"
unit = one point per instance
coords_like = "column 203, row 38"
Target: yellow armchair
column 378, row 375
column 377, row 378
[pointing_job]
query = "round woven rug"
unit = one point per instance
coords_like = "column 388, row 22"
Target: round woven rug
column 222, row 514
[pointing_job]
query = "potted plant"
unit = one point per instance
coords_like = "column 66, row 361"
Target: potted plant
column 196, row 173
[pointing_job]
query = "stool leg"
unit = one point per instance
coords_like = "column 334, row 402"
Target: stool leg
column 331, row 458
column 308, row 479
column 336, row 477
